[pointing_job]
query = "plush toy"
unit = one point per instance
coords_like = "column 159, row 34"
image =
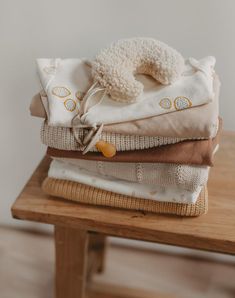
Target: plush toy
column 114, row 68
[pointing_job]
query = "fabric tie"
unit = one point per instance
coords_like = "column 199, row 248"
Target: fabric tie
column 79, row 120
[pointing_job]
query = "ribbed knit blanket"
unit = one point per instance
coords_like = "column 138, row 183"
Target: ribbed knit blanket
column 64, row 139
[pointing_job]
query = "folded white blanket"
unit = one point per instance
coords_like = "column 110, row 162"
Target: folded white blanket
column 66, row 171
column 66, row 80
column 186, row 177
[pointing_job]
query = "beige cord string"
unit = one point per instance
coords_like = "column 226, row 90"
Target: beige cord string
column 78, row 121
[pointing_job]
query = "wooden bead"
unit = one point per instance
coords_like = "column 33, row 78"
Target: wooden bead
column 107, row 149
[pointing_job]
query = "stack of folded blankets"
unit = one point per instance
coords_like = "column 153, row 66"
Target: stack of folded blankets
column 135, row 128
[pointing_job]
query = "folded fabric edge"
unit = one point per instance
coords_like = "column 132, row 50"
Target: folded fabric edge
column 37, row 110
column 82, row 193
column 150, row 155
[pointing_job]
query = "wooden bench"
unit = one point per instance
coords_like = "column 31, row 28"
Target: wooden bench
column 80, row 229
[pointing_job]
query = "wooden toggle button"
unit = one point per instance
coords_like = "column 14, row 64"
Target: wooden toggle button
column 107, row 149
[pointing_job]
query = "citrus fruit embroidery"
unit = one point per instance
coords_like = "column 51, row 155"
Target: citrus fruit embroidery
column 79, row 95
column 165, row 103
column 70, row 104
column 61, row 91
column 182, row 102
column 49, row 70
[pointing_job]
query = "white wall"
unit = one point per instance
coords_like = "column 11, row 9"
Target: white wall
column 67, row 28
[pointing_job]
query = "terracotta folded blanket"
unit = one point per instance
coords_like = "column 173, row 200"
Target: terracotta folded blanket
column 82, row 193
column 198, row 152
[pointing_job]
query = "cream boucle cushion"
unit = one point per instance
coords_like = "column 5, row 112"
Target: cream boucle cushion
column 114, row 67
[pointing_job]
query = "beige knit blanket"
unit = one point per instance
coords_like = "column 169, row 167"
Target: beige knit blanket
column 186, row 177
column 82, row 193
column 63, row 138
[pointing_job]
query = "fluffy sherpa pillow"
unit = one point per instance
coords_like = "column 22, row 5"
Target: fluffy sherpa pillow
column 114, row 67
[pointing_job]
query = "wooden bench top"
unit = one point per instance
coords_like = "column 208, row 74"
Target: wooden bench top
column 214, row 231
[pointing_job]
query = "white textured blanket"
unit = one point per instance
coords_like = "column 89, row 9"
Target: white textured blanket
column 167, row 192
column 66, row 80
column 186, row 177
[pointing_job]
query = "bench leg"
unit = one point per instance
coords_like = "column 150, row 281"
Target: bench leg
column 97, row 251
column 101, row 247
column 71, row 247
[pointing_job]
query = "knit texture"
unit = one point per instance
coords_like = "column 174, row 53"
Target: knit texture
column 89, row 195
column 63, row 138
column 186, row 177
column 114, row 67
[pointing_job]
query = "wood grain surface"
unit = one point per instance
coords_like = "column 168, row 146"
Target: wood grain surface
column 71, row 247
column 214, row 231
column 27, row 271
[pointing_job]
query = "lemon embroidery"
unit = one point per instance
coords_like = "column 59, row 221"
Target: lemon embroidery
column 79, row 95
column 61, row 91
column 182, row 102
column 70, row 104
column 165, row 103
column 49, row 70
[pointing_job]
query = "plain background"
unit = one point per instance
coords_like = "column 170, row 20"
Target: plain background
column 32, row 29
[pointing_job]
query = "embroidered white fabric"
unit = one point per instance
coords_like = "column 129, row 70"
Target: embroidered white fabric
column 66, row 80
column 65, row 171
column 186, row 177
